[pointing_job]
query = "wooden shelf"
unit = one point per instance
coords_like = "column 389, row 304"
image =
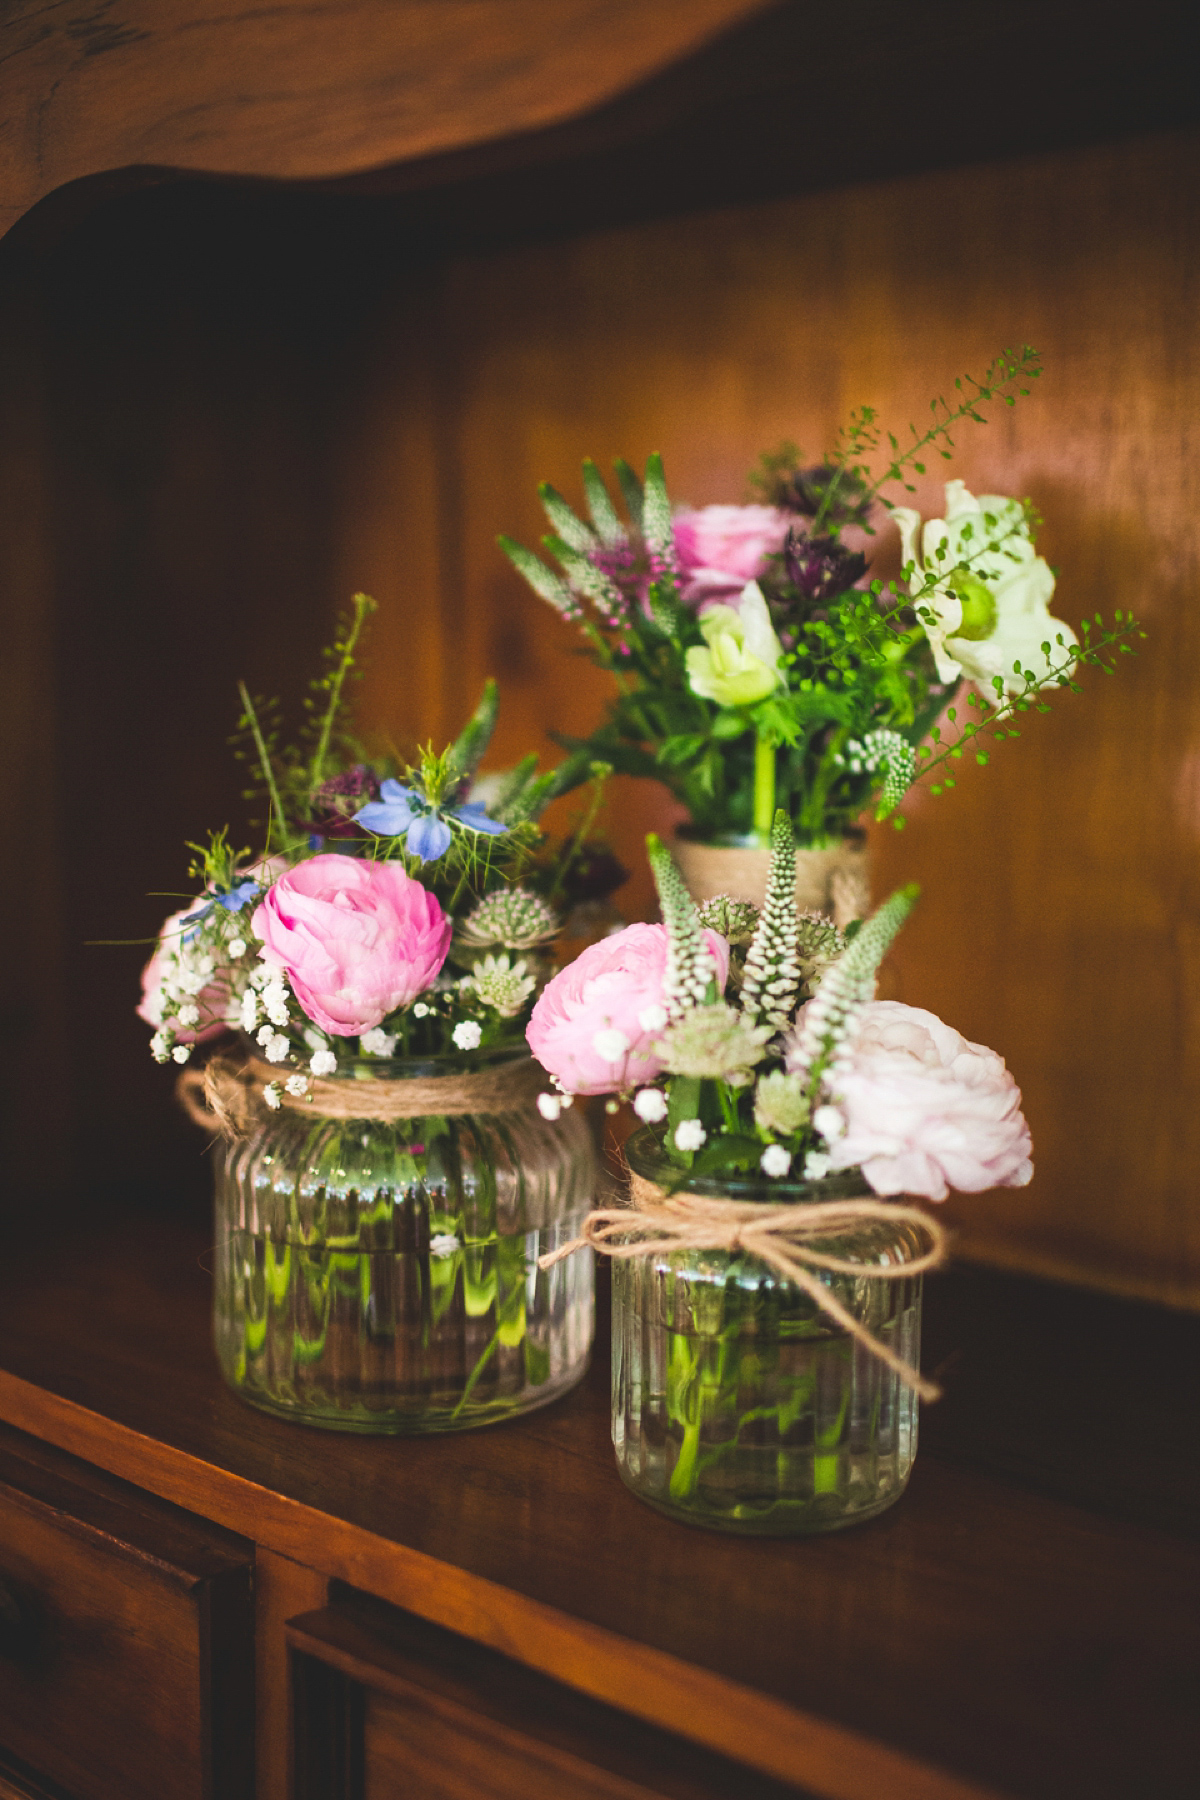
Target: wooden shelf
column 988, row 1636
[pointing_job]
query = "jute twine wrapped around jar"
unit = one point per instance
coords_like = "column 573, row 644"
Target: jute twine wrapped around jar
column 781, row 1236
column 228, row 1094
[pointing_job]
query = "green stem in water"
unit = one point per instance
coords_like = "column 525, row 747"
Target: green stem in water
column 764, row 787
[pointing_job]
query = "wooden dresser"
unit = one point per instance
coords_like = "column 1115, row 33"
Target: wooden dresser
column 198, row 1600
column 303, row 297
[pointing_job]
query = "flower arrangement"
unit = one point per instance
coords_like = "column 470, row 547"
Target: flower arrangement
column 390, row 912
column 756, row 663
column 751, row 1044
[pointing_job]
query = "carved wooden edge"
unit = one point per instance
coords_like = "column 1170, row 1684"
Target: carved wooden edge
column 341, row 87
column 739, row 1722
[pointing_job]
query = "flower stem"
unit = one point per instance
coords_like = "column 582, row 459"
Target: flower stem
column 764, row 786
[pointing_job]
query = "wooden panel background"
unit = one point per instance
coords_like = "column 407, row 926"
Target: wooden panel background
column 223, row 411
column 1059, row 922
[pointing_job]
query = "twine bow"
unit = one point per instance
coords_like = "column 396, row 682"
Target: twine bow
column 227, row 1094
column 781, row 1236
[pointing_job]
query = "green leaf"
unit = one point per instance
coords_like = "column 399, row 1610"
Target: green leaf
column 470, row 746
column 680, row 749
column 730, row 1150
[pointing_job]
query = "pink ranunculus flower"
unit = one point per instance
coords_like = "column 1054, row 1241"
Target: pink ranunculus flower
column 357, row 939
column 721, row 548
column 595, row 1024
column 171, row 959
column 926, row 1111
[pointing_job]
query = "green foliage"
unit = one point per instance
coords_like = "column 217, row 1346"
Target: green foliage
column 857, row 659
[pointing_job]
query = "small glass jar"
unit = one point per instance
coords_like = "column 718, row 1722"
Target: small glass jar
column 382, row 1276
column 736, row 1402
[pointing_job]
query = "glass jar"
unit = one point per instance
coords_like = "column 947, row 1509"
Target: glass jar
column 382, row 1276
column 736, row 1402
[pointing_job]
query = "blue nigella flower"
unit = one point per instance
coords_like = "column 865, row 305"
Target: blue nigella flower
column 232, row 900
column 402, row 812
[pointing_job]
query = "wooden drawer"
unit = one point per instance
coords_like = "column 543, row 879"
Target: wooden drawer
column 386, row 1706
column 126, row 1637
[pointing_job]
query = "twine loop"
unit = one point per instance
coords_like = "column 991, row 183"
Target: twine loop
column 227, row 1094
column 783, row 1237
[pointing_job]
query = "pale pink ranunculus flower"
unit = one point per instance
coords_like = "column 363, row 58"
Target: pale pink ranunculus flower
column 357, row 938
column 721, row 548
column 170, row 959
column 926, row 1111
column 595, row 1024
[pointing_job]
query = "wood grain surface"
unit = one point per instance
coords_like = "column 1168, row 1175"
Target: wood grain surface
column 128, row 1666
column 981, row 1637
column 221, row 411
column 1061, row 884
column 303, row 89
column 441, row 1716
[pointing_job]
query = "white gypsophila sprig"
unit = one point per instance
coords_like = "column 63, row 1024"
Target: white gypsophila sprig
column 828, row 1023
column 771, row 978
column 689, row 966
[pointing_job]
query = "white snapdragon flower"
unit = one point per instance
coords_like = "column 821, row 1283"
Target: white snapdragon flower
column 999, row 613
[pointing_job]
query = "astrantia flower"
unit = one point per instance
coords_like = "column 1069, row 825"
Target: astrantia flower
column 502, row 984
column 716, row 1043
column 514, row 917
column 734, row 919
column 739, row 662
column 779, row 1103
column 403, row 812
column 983, row 622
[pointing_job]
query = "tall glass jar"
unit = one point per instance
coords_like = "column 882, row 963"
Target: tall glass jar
column 736, row 1402
column 382, row 1275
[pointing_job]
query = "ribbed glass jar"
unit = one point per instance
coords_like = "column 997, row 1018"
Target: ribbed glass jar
column 382, row 1276
column 736, row 1402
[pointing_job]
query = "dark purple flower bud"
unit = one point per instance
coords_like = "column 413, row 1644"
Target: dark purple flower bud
column 821, row 567
column 334, row 804
column 804, row 491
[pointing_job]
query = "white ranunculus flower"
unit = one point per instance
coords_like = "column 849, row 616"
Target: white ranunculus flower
column 739, row 661
column 997, row 615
